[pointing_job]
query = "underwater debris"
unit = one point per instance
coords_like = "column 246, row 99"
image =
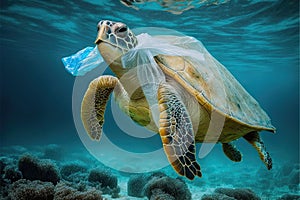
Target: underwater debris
column 31, row 190
column 12, row 174
column 176, row 188
column 73, row 172
column 53, row 152
column 108, row 182
column 64, row 191
column 34, row 169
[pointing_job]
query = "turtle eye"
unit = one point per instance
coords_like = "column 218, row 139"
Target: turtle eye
column 122, row 29
column 99, row 25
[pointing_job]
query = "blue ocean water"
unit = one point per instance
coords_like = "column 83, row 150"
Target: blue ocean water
column 258, row 42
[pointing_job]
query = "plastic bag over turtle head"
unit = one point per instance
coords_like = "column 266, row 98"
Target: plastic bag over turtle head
column 89, row 58
column 149, row 74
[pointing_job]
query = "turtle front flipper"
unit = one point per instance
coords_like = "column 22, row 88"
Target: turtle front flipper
column 232, row 152
column 254, row 139
column 176, row 131
column 94, row 103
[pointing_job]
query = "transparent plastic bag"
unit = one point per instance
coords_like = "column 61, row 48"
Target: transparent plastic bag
column 149, row 74
column 142, row 56
column 83, row 61
column 89, row 58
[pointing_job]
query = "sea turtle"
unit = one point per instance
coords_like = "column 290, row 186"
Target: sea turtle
column 196, row 101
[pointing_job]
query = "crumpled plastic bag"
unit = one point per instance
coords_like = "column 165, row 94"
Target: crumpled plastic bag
column 148, row 46
column 83, row 61
column 149, row 74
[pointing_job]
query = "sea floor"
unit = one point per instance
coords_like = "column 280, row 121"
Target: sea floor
column 63, row 172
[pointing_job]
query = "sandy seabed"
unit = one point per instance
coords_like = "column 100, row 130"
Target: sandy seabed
column 77, row 172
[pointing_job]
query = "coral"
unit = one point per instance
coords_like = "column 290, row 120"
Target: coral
column 136, row 183
column 72, row 168
column 216, row 196
column 158, row 194
column 290, row 197
column 31, row 190
column 173, row 187
column 231, row 194
column 238, row 194
column 73, row 172
column 66, row 192
column 33, row 169
column 104, row 177
column 2, row 166
column 113, row 192
column 54, row 152
column 105, row 181
column 12, row 174
column 3, row 188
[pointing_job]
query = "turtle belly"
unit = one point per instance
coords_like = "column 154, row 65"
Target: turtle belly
column 140, row 113
column 214, row 127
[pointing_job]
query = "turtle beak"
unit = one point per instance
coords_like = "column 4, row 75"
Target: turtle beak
column 101, row 34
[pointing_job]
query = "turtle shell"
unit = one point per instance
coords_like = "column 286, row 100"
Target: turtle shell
column 213, row 85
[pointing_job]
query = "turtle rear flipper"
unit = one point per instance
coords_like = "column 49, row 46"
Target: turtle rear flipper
column 232, row 152
column 177, row 133
column 254, row 139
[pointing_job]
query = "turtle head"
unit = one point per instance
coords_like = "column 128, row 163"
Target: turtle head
column 113, row 40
